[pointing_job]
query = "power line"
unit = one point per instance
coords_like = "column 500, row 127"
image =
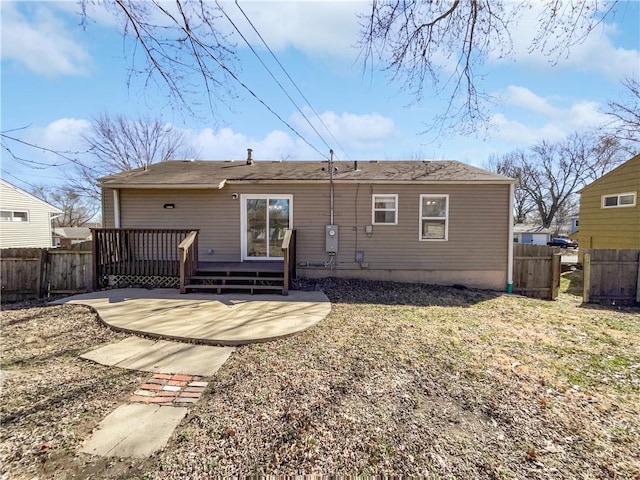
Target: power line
column 198, row 43
column 292, row 82
column 271, row 73
column 275, row 79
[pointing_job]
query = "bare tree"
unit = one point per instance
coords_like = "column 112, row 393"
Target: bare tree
column 442, row 43
column 119, row 144
column 180, row 44
column 511, row 165
column 76, row 210
column 626, row 115
column 550, row 173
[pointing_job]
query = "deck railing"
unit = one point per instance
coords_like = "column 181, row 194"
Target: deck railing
column 188, row 259
column 289, row 254
column 135, row 252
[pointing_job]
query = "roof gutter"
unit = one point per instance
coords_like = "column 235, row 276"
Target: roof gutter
column 172, row 186
column 223, row 183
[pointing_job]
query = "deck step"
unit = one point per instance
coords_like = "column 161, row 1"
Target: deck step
column 235, row 288
column 250, row 278
column 198, row 286
column 237, row 278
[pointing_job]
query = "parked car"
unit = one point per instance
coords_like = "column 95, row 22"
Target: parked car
column 563, row 243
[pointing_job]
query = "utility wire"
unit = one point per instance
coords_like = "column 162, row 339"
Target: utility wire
column 292, row 82
column 271, row 73
column 196, row 42
column 5, row 172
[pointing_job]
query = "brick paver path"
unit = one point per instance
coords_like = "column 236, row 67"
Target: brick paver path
column 166, row 389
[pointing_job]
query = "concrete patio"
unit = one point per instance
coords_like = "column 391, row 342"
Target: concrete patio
column 160, row 404
column 231, row 319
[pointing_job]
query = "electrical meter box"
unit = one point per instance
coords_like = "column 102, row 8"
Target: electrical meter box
column 331, row 237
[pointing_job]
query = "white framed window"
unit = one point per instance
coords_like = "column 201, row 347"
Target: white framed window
column 14, row 216
column 434, row 217
column 384, row 209
column 619, row 200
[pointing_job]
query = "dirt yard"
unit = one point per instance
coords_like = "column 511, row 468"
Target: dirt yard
column 399, row 379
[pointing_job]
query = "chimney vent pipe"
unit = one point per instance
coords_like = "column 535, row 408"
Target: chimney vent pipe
column 249, row 159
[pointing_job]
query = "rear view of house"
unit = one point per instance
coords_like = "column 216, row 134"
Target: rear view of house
column 25, row 221
column 440, row 222
column 609, row 210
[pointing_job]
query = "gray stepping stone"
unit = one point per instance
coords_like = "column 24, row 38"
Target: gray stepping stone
column 134, row 430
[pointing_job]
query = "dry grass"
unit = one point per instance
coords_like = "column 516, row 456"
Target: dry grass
column 409, row 380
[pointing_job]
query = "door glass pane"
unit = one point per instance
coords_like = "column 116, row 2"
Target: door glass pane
column 256, row 227
column 278, row 224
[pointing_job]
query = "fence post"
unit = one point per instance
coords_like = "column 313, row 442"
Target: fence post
column 556, row 261
column 638, row 283
column 586, row 278
column 94, row 259
column 43, row 272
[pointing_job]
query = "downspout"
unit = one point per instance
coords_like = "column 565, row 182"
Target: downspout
column 116, row 208
column 510, row 242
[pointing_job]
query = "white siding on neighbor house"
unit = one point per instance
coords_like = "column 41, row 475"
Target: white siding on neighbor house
column 36, row 232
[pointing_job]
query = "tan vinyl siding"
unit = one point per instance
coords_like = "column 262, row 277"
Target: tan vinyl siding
column 108, row 220
column 617, row 227
column 478, row 224
column 477, row 241
column 35, row 233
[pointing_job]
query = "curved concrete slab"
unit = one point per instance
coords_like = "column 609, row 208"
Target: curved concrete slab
column 206, row 318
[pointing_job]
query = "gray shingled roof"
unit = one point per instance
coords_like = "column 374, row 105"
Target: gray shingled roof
column 214, row 174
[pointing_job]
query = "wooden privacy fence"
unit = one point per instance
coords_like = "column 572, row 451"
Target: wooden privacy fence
column 611, row 276
column 536, row 271
column 38, row 272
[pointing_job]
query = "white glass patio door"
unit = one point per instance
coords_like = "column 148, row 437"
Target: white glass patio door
column 265, row 219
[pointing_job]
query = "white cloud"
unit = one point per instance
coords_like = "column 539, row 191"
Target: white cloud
column 525, row 98
column 597, row 53
column 326, row 28
column 227, row 144
column 545, row 121
column 40, row 41
column 62, row 135
column 352, row 131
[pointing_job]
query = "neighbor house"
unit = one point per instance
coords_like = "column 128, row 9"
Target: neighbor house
column 25, row 220
column 440, row 222
column 67, row 236
column 531, row 234
column 609, row 211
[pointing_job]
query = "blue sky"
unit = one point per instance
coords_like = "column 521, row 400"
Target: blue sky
column 56, row 76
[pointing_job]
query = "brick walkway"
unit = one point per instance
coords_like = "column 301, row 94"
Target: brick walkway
column 165, row 389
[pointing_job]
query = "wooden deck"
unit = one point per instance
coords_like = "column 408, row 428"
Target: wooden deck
column 169, row 258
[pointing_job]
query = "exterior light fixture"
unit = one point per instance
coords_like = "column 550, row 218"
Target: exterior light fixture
column 170, row 205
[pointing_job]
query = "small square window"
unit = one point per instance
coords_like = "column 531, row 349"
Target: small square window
column 627, row 199
column 20, row 217
column 384, row 209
